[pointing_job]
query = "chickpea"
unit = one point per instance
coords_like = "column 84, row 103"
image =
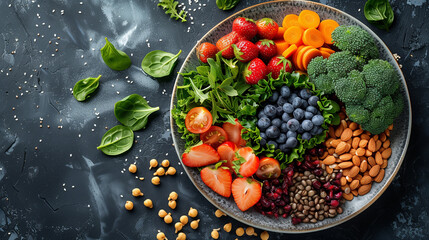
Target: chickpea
column 129, row 205
column 136, row 192
column 250, row 231
column 156, row 181
column 181, row 236
column 148, row 203
column 219, row 213
column 239, row 231
column 170, row 171
column 193, row 212
column 153, row 164
column 227, row 227
column 132, row 168
column 162, row 213
column 168, row 219
column 160, row 236
column 265, row 235
column 178, row 226
column 173, row 196
column 184, row 219
column 159, row 172
column 172, row 204
column 165, row 163
column 215, row 233
column 194, row 224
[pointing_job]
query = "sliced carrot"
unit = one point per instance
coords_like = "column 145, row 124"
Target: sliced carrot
column 308, row 55
column 308, row 19
column 280, row 33
column 300, row 55
column 325, row 54
column 281, row 45
column 290, row 20
column 293, row 35
column 328, row 50
column 326, row 27
column 289, row 51
column 313, row 37
column 296, row 54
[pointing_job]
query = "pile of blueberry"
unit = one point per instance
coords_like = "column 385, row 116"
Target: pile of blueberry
column 289, row 113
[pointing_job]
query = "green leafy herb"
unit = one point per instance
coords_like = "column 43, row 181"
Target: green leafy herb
column 114, row 58
column 117, row 140
column 379, row 13
column 159, row 63
column 83, row 88
column 236, row 164
column 133, row 111
column 226, row 4
column 171, row 8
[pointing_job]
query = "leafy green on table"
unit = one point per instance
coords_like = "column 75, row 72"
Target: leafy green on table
column 117, row 140
column 170, row 7
column 226, row 4
column 379, row 13
column 159, row 63
column 83, row 88
column 133, row 111
column 114, row 58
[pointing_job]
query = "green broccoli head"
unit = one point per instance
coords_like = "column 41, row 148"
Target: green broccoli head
column 398, row 102
column 316, row 67
column 372, row 98
column 323, row 83
column 339, row 64
column 356, row 40
column 350, row 90
column 382, row 116
column 381, row 75
column 357, row 113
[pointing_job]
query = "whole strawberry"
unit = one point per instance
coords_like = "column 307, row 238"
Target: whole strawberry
column 267, row 49
column 206, row 50
column 255, row 70
column 225, row 44
column 278, row 64
column 267, row 28
column 245, row 51
column 245, row 27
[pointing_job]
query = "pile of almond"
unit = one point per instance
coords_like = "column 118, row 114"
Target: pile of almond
column 361, row 156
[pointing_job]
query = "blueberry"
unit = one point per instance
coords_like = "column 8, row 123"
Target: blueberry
column 293, row 125
column 296, row 102
column 298, row 114
column 271, row 142
column 291, row 142
column 286, row 117
column 261, row 114
column 279, row 110
column 306, row 136
column 308, row 115
column 317, row 120
column 282, row 138
column 313, row 101
column 283, row 128
column 311, row 109
column 263, row 135
column 305, row 93
column 276, row 122
column 300, row 130
column 272, row 132
column 274, row 97
column 281, row 101
column 288, row 108
column 263, row 142
column 319, row 131
column 304, row 104
column 283, row 147
column 292, row 97
column 270, row 110
column 291, row 134
column 314, row 130
column 264, row 123
column 307, row 125
column 285, row 91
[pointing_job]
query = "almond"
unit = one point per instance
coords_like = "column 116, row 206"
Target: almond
column 353, row 171
column 356, row 160
column 357, row 132
column 374, row 170
column 386, row 153
column 386, row 144
column 325, row 154
column 343, row 181
column 368, row 153
column 360, row 152
column 371, row 161
column 354, row 184
column 355, row 142
column 390, row 127
column 347, row 134
column 363, row 166
column 358, row 177
column 344, row 123
column 329, row 160
column 363, row 143
column 365, row 136
column 383, row 137
column 387, row 132
column 384, row 165
column 331, row 151
column 329, row 170
column 344, row 165
column 380, row 176
column 353, row 151
column 346, row 172
column 335, row 142
column 364, row 189
column 375, row 137
column 341, row 148
column 346, row 156
column 353, row 126
column 365, row 180
column 378, row 158
column 371, row 144
column 331, row 132
column 339, row 130
column 348, row 147
column 355, row 193
column 329, row 142
column 378, row 145
column 348, row 196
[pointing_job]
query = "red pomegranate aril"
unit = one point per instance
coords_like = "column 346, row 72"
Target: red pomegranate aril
column 335, row 188
column 335, row 203
column 327, row 185
column 338, row 195
column 313, row 152
column 320, row 151
column 331, row 194
column 275, row 182
column 317, row 185
column 296, row 221
column 307, row 158
column 339, row 175
column 279, row 191
column 284, row 215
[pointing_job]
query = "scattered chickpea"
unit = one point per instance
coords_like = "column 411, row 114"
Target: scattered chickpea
column 219, row 213
column 239, row 231
column 165, row 163
column 170, row 171
column 178, row 226
column 156, row 181
column 193, row 212
column 181, row 236
column 184, row 219
column 265, row 235
column 172, row 204
column 168, row 219
column 215, row 233
column 173, row 196
column 159, row 172
column 250, row 231
column 148, row 203
column 132, row 168
column 162, row 213
column 129, row 205
column 194, row 224
column 227, row 227
column 136, row 192
column 153, row 164
column 160, row 236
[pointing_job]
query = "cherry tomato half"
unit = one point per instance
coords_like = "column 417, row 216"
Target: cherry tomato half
column 198, row 120
column 214, row 137
column 269, row 168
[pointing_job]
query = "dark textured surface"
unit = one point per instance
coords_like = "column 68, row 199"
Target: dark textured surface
column 66, row 189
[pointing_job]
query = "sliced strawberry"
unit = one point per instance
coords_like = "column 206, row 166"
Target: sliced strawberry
column 201, row 155
column 246, row 192
column 214, row 137
column 219, row 180
column 246, row 162
column 234, row 133
column 227, row 152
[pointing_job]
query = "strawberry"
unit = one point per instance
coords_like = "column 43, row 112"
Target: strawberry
column 246, row 192
column 206, row 50
column 227, row 152
column 267, row 28
column 218, row 179
column 255, row 70
column 246, row 162
column 234, row 132
column 245, row 51
column 245, row 27
column 201, row 155
column 267, row 49
column 225, row 44
column 278, row 64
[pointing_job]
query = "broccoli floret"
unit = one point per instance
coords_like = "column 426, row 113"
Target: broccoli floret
column 381, row 75
column 339, row 64
column 351, row 89
column 323, row 83
column 398, row 102
column 356, row 40
column 357, row 113
column 372, row 98
column 382, row 116
column 316, row 67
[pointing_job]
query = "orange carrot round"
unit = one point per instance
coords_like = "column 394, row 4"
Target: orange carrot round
column 295, row 55
column 325, row 54
column 280, row 33
column 313, row 37
column 308, row 55
column 290, row 20
column 300, row 56
column 281, row 45
column 327, row 27
column 308, row 19
column 328, row 50
column 293, row 35
column 290, row 51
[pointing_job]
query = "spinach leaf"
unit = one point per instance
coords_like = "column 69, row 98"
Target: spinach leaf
column 171, row 7
column 226, row 4
column 159, row 63
column 83, row 88
column 117, row 140
column 133, row 111
column 114, row 58
column 379, row 13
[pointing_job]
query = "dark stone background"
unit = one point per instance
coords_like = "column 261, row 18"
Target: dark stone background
column 66, row 189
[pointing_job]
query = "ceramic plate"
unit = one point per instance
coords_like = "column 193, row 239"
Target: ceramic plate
column 400, row 135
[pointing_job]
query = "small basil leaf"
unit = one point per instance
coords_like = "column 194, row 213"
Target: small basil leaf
column 133, row 111
column 226, row 4
column 114, row 58
column 84, row 87
column 159, row 63
column 379, row 13
column 117, row 140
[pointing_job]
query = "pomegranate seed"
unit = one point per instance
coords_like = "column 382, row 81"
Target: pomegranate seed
column 339, row 175
column 279, row 191
column 335, row 188
column 331, row 194
column 275, row 182
column 313, row 151
column 290, row 173
column 307, row 158
column 318, row 172
column 269, row 213
column 287, row 208
column 320, row 151
column 316, row 162
column 284, row 215
column 338, row 195
column 327, row 185
column 336, row 182
column 335, row 203
column 296, row 221
column 276, row 215
column 317, row 184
